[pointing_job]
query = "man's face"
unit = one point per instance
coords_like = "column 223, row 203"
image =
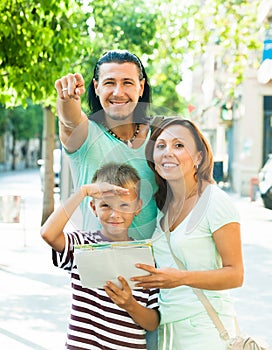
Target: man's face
column 119, row 89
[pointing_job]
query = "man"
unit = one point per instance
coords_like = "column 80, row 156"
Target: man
column 117, row 129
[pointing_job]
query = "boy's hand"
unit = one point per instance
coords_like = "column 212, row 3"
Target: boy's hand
column 104, row 189
column 121, row 297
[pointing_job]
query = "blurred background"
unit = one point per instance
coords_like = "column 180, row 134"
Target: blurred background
column 207, row 60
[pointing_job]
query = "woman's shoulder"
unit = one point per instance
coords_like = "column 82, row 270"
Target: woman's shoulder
column 218, row 192
column 221, row 203
column 215, row 196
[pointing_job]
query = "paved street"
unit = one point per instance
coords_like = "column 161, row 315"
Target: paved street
column 35, row 296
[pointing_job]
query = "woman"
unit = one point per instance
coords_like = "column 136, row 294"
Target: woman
column 204, row 234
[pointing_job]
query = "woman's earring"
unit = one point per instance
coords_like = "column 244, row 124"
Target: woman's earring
column 196, row 167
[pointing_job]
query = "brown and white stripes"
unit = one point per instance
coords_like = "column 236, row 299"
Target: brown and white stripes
column 95, row 321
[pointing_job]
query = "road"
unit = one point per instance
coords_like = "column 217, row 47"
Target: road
column 35, row 296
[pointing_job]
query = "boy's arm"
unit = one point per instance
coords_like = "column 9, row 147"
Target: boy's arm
column 52, row 230
column 147, row 318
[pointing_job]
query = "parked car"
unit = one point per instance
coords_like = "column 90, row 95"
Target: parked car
column 56, row 168
column 265, row 183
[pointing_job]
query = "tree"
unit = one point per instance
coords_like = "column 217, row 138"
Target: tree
column 186, row 30
column 24, row 124
column 38, row 41
column 48, row 37
column 171, row 34
column 42, row 40
column 3, row 120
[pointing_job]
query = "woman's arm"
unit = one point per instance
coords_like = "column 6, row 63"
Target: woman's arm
column 52, row 230
column 231, row 275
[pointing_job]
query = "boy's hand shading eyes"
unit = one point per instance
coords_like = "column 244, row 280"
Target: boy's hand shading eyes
column 104, row 189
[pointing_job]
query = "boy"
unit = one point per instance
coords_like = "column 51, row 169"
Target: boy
column 109, row 318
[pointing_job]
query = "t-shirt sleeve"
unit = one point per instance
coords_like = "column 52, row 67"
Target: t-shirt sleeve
column 65, row 259
column 153, row 298
column 82, row 150
column 222, row 210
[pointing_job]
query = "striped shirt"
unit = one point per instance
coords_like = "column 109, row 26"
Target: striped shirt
column 95, row 321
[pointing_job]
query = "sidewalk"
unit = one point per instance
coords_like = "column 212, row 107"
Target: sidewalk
column 253, row 301
column 35, row 296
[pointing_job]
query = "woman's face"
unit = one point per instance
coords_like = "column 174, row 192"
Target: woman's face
column 175, row 154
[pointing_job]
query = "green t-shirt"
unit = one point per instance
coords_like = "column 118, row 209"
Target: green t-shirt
column 99, row 148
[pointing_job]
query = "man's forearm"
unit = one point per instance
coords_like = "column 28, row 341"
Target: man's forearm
column 70, row 113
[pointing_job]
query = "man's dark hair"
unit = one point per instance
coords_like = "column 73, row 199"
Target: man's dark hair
column 120, row 56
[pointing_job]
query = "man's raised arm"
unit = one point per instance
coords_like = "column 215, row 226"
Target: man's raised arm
column 73, row 122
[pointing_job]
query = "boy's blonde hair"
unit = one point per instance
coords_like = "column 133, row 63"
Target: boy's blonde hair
column 123, row 175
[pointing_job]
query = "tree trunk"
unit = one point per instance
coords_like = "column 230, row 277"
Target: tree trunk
column 48, row 147
column 26, row 154
column 13, row 151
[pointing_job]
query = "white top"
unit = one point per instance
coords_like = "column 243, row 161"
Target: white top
column 192, row 242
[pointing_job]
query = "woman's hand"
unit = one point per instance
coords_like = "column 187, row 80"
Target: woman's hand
column 160, row 278
column 230, row 275
column 70, row 86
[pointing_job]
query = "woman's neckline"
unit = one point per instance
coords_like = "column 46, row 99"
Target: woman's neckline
column 187, row 217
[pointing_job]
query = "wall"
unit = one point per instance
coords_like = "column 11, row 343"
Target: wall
column 248, row 133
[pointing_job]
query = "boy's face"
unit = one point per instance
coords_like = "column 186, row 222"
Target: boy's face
column 116, row 214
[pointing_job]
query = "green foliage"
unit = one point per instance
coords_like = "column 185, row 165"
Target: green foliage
column 234, row 32
column 43, row 40
column 25, row 123
column 186, row 31
column 38, row 42
column 3, row 120
column 123, row 24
